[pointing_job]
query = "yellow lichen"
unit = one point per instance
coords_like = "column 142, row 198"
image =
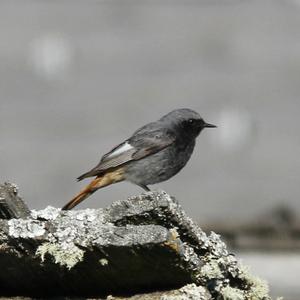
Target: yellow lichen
column 65, row 256
column 103, row 262
column 258, row 288
column 211, row 270
column 230, row 293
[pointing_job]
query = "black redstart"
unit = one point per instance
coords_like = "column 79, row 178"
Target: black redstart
column 154, row 153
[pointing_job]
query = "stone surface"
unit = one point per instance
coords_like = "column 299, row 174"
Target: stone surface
column 144, row 244
column 11, row 205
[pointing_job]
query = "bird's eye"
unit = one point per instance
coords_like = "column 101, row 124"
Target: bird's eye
column 191, row 121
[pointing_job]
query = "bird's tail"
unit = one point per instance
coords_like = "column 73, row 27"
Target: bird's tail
column 97, row 183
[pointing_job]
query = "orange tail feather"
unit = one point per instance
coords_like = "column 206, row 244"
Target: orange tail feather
column 97, row 183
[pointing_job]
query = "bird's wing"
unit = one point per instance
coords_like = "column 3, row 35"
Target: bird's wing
column 135, row 148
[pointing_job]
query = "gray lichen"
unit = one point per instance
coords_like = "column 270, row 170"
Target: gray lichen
column 19, row 228
column 49, row 213
column 188, row 292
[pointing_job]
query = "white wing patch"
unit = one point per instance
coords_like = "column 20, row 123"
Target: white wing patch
column 121, row 149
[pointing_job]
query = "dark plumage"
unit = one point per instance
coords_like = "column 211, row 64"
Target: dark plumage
column 154, row 153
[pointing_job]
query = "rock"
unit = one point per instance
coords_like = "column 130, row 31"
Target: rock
column 188, row 292
column 145, row 244
column 11, row 205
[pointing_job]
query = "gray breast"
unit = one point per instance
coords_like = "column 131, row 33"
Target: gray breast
column 159, row 166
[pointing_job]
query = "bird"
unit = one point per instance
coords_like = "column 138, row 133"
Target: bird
column 154, row 153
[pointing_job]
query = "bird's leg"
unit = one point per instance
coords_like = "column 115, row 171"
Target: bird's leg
column 144, row 187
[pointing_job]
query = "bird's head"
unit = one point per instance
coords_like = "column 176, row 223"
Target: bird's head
column 186, row 122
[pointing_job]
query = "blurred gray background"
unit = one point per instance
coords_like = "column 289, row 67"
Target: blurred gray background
column 78, row 77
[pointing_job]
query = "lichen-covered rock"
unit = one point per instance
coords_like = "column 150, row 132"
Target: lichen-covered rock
column 187, row 292
column 140, row 244
column 11, row 205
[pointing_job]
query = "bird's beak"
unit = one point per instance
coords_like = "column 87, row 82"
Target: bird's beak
column 209, row 125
